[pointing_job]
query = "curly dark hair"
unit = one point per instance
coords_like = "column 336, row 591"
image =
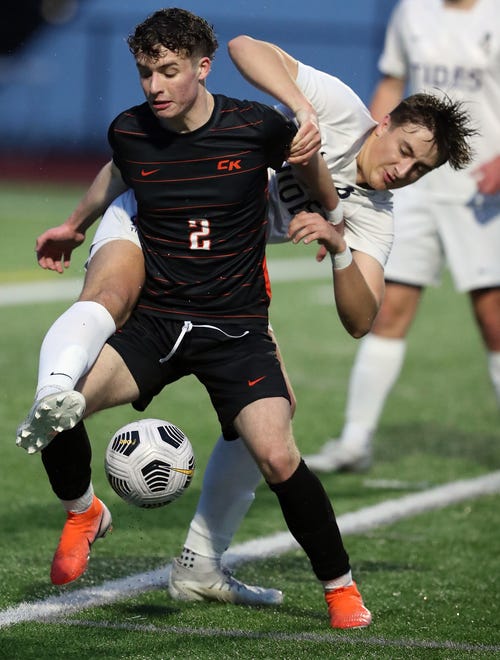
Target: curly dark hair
column 446, row 119
column 178, row 30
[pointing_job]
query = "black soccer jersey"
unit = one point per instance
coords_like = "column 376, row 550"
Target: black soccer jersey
column 202, row 202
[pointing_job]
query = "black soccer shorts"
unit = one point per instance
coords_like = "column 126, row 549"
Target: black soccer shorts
column 236, row 364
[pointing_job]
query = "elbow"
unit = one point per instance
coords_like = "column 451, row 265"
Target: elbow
column 358, row 328
column 359, row 333
column 237, row 44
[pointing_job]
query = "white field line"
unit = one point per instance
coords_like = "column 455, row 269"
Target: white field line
column 29, row 293
column 68, row 288
column 273, row 545
column 330, row 637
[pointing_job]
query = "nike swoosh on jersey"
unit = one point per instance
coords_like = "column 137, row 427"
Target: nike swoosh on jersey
column 148, row 172
column 251, row 383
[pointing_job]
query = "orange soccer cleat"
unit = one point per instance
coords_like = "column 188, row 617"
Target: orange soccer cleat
column 79, row 532
column 346, row 609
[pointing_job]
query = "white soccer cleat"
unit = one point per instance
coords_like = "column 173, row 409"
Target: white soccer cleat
column 217, row 584
column 337, row 456
column 49, row 416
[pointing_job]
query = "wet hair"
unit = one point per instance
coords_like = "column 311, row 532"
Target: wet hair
column 177, row 30
column 447, row 120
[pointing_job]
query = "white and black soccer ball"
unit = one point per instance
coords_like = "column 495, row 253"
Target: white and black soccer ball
column 149, row 463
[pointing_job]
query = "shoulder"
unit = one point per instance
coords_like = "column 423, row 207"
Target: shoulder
column 338, row 106
column 244, row 114
column 325, row 90
column 229, row 105
column 137, row 115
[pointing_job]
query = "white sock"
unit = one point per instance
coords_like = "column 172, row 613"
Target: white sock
column 81, row 504
column 376, row 368
column 72, row 345
column 229, row 484
column 494, row 369
column 190, row 559
column 342, row 581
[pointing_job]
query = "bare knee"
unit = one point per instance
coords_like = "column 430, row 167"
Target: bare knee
column 279, row 471
column 118, row 300
column 279, row 461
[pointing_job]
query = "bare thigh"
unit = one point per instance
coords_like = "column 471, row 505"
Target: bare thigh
column 109, row 383
column 114, row 278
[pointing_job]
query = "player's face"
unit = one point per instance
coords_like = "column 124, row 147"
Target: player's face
column 173, row 86
column 396, row 157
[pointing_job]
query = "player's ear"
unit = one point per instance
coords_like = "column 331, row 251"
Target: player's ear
column 204, row 67
column 383, row 125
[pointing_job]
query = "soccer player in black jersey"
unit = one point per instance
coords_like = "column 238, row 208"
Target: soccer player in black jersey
column 198, row 164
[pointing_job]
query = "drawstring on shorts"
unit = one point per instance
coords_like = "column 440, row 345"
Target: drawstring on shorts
column 187, row 326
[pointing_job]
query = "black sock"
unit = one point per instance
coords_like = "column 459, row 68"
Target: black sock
column 67, row 463
column 311, row 520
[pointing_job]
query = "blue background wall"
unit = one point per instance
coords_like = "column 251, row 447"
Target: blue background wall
column 60, row 89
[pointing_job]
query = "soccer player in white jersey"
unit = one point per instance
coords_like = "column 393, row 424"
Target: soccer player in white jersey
column 448, row 217
column 365, row 159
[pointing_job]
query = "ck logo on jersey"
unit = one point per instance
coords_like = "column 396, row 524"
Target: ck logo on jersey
column 229, row 165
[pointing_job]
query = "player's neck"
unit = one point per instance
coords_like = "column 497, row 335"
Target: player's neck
column 197, row 115
column 360, row 163
column 459, row 4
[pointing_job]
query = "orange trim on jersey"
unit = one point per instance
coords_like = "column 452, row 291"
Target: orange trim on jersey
column 120, row 130
column 235, row 108
column 183, row 314
column 217, row 175
column 232, row 128
column 190, row 207
column 266, row 278
column 187, row 160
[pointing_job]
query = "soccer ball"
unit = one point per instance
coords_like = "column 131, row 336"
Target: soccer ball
column 149, row 463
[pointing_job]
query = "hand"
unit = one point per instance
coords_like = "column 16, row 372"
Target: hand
column 307, row 141
column 321, row 253
column 54, row 247
column 308, row 227
column 488, row 177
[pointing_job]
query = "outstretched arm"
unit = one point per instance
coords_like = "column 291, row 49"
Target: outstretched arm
column 54, row 246
column 273, row 71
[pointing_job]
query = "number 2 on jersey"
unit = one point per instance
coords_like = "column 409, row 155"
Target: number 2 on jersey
column 198, row 239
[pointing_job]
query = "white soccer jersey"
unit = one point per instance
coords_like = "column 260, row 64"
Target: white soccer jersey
column 117, row 223
column 458, row 52
column 345, row 122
